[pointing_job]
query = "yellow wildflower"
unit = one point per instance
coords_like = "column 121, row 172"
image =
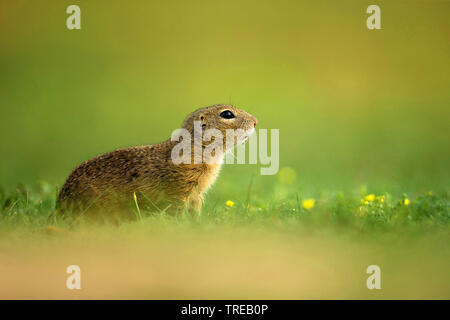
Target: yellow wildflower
column 366, row 203
column 370, row 197
column 406, row 201
column 287, row 175
column 308, row 203
column 229, row 203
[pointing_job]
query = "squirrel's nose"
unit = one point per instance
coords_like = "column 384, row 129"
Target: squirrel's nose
column 255, row 122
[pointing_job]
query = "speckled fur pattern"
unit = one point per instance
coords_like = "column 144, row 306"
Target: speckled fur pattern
column 108, row 182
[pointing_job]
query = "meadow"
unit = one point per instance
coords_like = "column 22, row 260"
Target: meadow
column 364, row 148
column 277, row 245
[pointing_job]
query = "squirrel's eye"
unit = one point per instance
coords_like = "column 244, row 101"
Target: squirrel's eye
column 227, row 114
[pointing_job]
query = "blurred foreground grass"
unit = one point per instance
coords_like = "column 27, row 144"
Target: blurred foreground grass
column 259, row 245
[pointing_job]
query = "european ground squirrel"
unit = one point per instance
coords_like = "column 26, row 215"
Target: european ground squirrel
column 149, row 173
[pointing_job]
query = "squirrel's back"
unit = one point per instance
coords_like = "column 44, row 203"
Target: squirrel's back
column 118, row 172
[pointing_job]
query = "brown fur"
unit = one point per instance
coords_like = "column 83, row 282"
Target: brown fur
column 110, row 180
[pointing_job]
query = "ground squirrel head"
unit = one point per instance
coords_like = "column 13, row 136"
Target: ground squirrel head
column 222, row 117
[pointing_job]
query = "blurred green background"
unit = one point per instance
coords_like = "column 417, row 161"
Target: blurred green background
column 354, row 106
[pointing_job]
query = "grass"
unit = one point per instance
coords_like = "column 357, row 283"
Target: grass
column 355, row 210
column 260, row 246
